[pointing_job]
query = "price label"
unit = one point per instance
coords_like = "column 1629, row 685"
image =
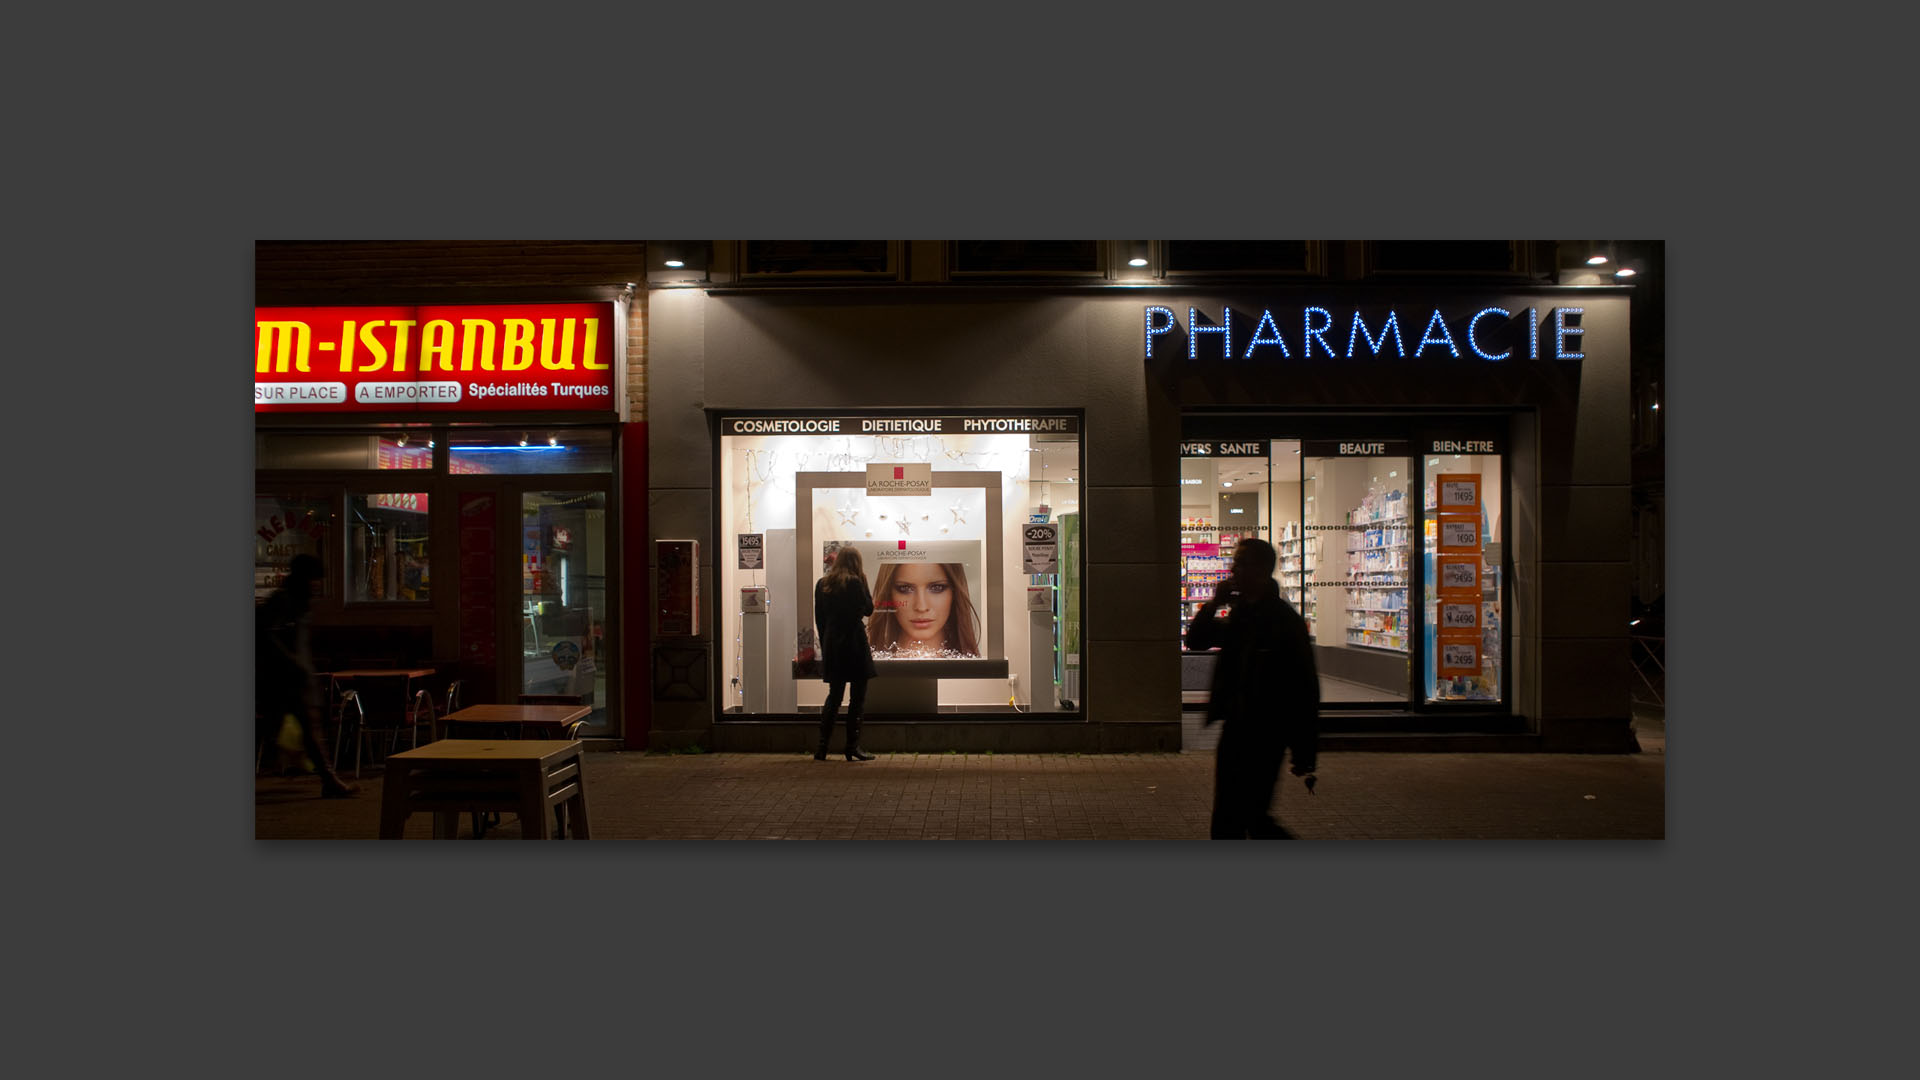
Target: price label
column 1457, row 533
column 1459, row 493
column 1460, row 616
column 1458, row 575
column 752, row 551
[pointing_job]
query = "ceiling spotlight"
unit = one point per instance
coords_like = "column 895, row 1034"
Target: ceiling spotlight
column 1596, row 260
column 523, row 440
column 1136, row 261
column 1625, row 271
column 676, row 263
column 429, row 444
column 1656, row 405
column 553, row 440
column 402, row 440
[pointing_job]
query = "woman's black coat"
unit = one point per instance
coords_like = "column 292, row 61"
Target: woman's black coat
column 837, row 615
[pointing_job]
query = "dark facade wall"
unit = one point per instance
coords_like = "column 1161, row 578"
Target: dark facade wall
column 407, row 271
column 955, row 347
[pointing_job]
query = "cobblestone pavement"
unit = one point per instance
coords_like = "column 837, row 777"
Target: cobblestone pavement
column 650, row 796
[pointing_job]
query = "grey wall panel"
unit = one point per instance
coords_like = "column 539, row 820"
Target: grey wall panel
column 1133, row 681
column 1586, row 600
column 1602, row 451
column 800, row 352
column 679, row 449
column 1129, row 525
column 682, row 514
column 1133, row 602
column 1130, row 440
column 1586, row 523
column 1584, row 678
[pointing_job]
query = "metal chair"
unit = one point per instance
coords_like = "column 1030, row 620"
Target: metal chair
column 417, row 714
column 343, row 722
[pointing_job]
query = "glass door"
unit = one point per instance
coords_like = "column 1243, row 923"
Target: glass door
column 1464, row 533
column 1354, row 501
column 562, row 602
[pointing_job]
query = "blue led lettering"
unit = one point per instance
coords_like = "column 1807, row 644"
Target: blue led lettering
column 1317, row 322
column 1427, row 338
column 1153, row 331
column 1360, row 328
column 1561, row 331
column 1313, row 334
column 1472, row 326
column 1266, row 322
column 1194, row 330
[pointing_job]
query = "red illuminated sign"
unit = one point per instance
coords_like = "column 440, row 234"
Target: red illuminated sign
column 440, row 358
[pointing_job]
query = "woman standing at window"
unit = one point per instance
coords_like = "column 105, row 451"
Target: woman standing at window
column 841, row 604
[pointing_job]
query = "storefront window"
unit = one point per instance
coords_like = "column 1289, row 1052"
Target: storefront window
column 387, row 547
column 342, row 452
column 1356, row 504
column 969, row 532
column 1463, row 534
column 519, row 451
column 285, row 526
column 1230, row 491
column 563, row 597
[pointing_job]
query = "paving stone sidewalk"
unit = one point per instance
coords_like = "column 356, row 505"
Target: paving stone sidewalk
column 648, row 796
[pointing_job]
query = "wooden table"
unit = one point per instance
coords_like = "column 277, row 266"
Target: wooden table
column 454, row 776
column 513, row 721
column 405, row 674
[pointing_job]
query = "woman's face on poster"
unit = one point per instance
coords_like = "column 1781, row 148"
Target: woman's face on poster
column 922, row 601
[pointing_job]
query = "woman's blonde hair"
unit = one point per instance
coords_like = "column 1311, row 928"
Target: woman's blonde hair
column 846, row 570
column 960, row 635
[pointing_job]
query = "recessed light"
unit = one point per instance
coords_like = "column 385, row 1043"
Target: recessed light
column 675, row 263
column 1625, row 271
column 1596, row 260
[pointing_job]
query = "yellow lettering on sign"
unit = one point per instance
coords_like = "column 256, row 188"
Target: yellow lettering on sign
column 546, row 343
column 280, row 343
column 373, row 345
column 517, row 353
column 565, row 363
column 436, row 345
column 471, row 329
column 592, row 350
column 402, row 328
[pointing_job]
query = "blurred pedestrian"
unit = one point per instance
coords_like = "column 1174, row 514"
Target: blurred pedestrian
column 841, row 604
column 285, row 686
column 1266, row 692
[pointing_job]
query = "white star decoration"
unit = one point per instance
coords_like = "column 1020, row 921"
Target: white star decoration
column 847, row 514
column 905, row 528
column 959, row 518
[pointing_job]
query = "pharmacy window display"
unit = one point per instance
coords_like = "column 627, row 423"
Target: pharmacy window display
column 1388, row 618
column 968, row 526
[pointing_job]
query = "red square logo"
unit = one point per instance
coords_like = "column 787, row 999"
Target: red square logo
column 903, row 545
column 899, row 473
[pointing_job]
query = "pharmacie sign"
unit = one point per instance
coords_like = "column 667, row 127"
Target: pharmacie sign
column 1484, row 332
column 438, row 358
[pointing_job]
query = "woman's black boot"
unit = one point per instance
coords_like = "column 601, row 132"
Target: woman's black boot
column 854, row 753
column 826, row 732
